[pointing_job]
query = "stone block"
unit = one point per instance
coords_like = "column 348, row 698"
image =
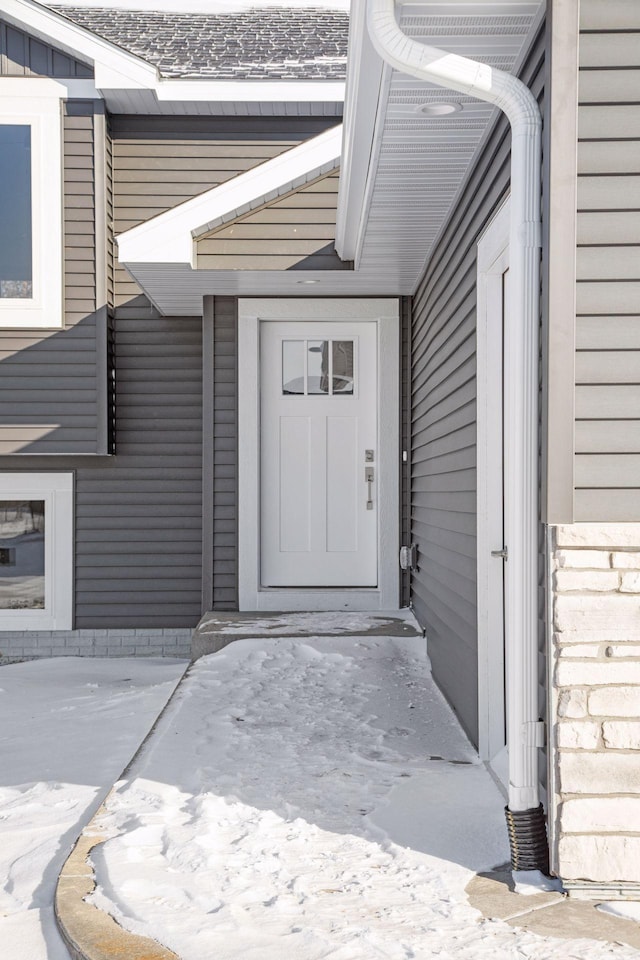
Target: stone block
column 572, row 704
column 600, row 815
column 600, row 581
column 630, row 583
column 622, row 650
column 612, row 614
column 614, row 702
column 577, row 673
column 598, row 535
column 626, row 561
column 583, row 559
column 578, row 734
column 622, row 735
column 580, row 650
column 605, row 859
column 599, row 772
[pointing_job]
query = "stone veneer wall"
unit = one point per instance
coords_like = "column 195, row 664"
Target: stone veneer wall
column 116, row 642
column 595, row 704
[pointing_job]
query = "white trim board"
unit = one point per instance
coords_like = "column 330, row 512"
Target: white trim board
column 56, row 490
column 250, row 312
column 36, row 103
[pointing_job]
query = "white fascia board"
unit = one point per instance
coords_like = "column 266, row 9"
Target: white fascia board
column 250, row 91
column 169, row 237
column 365, row 74
column 111, row 64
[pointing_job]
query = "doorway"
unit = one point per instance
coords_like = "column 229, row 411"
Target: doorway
column 318, row 462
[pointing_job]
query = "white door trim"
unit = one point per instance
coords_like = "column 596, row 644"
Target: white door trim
column 493, row 260
column 250, row 312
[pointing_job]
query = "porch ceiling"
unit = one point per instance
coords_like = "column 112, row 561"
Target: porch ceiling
column 404, row 168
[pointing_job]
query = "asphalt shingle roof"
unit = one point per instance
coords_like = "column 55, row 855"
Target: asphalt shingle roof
column 275, row 43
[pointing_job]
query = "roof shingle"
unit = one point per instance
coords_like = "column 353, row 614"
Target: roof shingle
column 274, row 43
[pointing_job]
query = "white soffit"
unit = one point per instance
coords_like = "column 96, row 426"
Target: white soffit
column 406, row 167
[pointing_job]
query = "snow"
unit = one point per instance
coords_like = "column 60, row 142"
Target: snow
column 531, row 882
column 627, row 909
column 315, row 799
column 300, row 623
column 68, row 727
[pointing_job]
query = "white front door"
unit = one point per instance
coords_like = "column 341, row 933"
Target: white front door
column 319, row 457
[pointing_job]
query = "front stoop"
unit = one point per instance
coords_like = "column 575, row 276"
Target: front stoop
column 547, row 914
column 216, row 630
column 88, row 932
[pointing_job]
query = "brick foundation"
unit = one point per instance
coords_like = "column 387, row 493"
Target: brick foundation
column 117, row 642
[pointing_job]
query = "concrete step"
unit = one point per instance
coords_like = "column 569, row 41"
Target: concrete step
column 216, row 629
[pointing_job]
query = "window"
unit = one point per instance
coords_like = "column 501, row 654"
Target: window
column 30, row 203
column 317, row 367
column 36, row 551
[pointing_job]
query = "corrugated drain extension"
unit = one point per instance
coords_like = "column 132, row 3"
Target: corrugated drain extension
column 528, row 839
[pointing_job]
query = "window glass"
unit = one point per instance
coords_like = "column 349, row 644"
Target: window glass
column 318, row 366
column 342, row 371
column 293, row 366
column 16, row 276
column 22, row 574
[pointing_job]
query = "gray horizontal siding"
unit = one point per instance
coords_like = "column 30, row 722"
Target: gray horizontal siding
column 49, row 379
column 225, row 455
column 161, row 162
column 443, row 425
column 138, row 513
column 301, row 239
column 608, row 264
column 24, row 56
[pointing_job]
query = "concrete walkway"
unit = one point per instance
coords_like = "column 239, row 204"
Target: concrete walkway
column 93, row 935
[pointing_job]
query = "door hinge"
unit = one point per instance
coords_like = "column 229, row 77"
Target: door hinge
column 502, row 554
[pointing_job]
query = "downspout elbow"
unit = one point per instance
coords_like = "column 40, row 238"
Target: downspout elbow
column 450, row 70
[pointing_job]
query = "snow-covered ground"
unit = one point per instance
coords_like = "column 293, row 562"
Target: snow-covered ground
column 312, row 798
column 68, row 727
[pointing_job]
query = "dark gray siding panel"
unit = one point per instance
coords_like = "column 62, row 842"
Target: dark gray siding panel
column 443, row 425
column 225, row 454
column 48, row 388
column 608, row 264
column 161, row 162
column 138, row 513
column 25, row 56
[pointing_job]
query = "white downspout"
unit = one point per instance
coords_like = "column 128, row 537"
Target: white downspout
column 521, row 369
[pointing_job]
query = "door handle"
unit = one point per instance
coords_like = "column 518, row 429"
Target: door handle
column 368, row 479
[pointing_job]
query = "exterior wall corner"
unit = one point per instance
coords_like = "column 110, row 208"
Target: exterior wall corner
column 594, row 625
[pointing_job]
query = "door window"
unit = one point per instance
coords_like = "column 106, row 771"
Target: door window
column 318, row 367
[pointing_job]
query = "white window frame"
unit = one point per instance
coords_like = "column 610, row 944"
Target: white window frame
column 37, row 103
column 56, row 489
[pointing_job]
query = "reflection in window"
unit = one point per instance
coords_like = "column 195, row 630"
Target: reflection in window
column 342, row 370
column 22, row 555
column 293, row 366
column 16, row 274
column 317, row 367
